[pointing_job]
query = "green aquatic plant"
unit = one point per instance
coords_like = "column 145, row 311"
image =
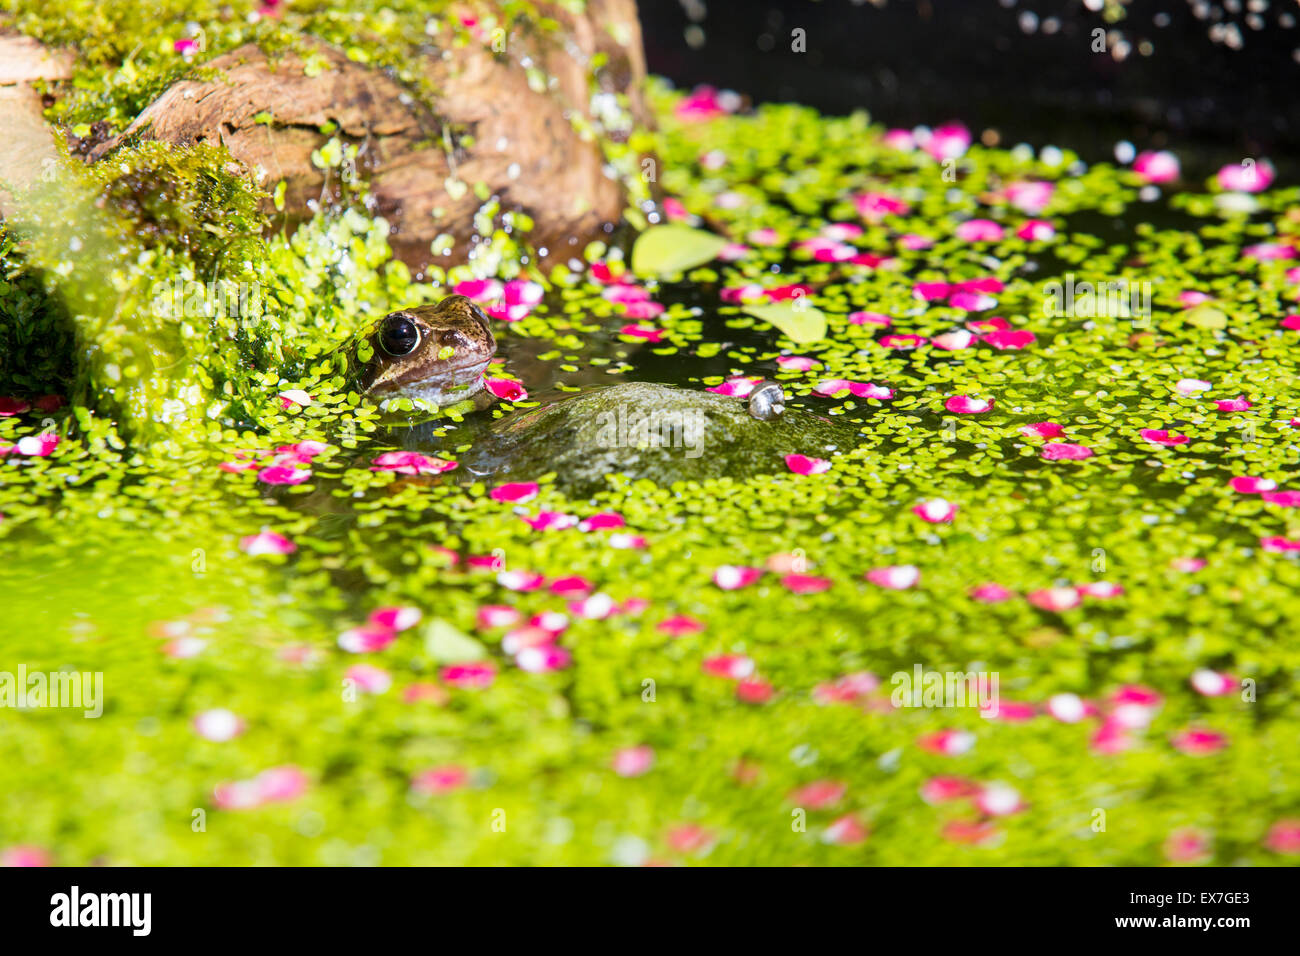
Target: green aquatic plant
column 1094, row 506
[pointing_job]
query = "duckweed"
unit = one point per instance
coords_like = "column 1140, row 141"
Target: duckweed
column 721, row 689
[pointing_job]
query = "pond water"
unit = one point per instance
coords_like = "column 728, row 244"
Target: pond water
column 327, row 654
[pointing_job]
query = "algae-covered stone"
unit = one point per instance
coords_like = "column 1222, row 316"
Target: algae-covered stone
column 659, row 432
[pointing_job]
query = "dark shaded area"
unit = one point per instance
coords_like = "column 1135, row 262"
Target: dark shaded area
column 994, row 64
column 37, row 337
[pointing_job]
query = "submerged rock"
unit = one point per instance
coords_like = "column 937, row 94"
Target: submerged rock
column 644, row 430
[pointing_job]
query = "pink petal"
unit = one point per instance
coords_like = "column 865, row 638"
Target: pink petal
column 870, row 318
column 506, row 388
column 954, row 341
column 1198, row 742
column 895, row 577
column 366, row 639
column 971, row 301
column 521, row 580
column 846, row 831
column 410, row 463
column 395, row 618
column 1162, row 437
column 1286, row 499
column 735, row 387
column 294, row 396
column 998, row 800
column 1157, row 167
column 729, row 577
column 680, row 625
column 1055, row 599
column 492, row 616
column 267, row 542
column 473, row 676
column 754, row 690
column 990, row 593
column 935, row 511
column 1063, row 451
column 805, row 583
column 979, row 230
column 604, row 519
column 949, row 141
column 1251, row 486
column 572, row 585
column 1213, row 683
column 1238, row 404
column 515, row 491
column 1010, row 338
column 1042, row 430
column 902, row 341
column 549, row 521
column 1036, row 230
column 642, row 332
column 633, row 761
column 968, row 405
column 730, row 666
column 369, row 679
column 438, row 780
column 218, row 725
column 803, row 465
column 283, row 475
column 543, row 660
column 480, row 290
column 818, row 795
column 1249, row 177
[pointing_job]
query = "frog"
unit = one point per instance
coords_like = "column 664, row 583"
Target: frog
column 433, row 354
column 436, row 354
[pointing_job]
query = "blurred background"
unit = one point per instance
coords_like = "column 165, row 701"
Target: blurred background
column 1223, row 75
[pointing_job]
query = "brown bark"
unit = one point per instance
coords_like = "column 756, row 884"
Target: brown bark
column 518, row 142
column 26, row 146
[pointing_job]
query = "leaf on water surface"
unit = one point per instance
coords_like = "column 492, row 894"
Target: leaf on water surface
column 1206, row 316
column 661, row 250
column 447, row 645
column 800, row 321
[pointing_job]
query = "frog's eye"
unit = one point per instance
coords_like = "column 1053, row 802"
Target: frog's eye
column 399, row 335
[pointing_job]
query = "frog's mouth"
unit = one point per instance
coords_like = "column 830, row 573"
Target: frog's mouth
column 444, row 377
column 450, row 383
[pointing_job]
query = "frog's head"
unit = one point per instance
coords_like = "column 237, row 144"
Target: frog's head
column 433, row 353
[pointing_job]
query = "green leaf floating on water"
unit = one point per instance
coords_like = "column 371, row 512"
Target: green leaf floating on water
column 447, row 645
column 802, row 322
column 1206, row 316
column 662, row 250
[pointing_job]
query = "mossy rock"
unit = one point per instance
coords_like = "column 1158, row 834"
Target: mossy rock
column 644, row 430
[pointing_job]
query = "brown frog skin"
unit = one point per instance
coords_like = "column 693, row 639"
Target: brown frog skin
column 435, row 354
